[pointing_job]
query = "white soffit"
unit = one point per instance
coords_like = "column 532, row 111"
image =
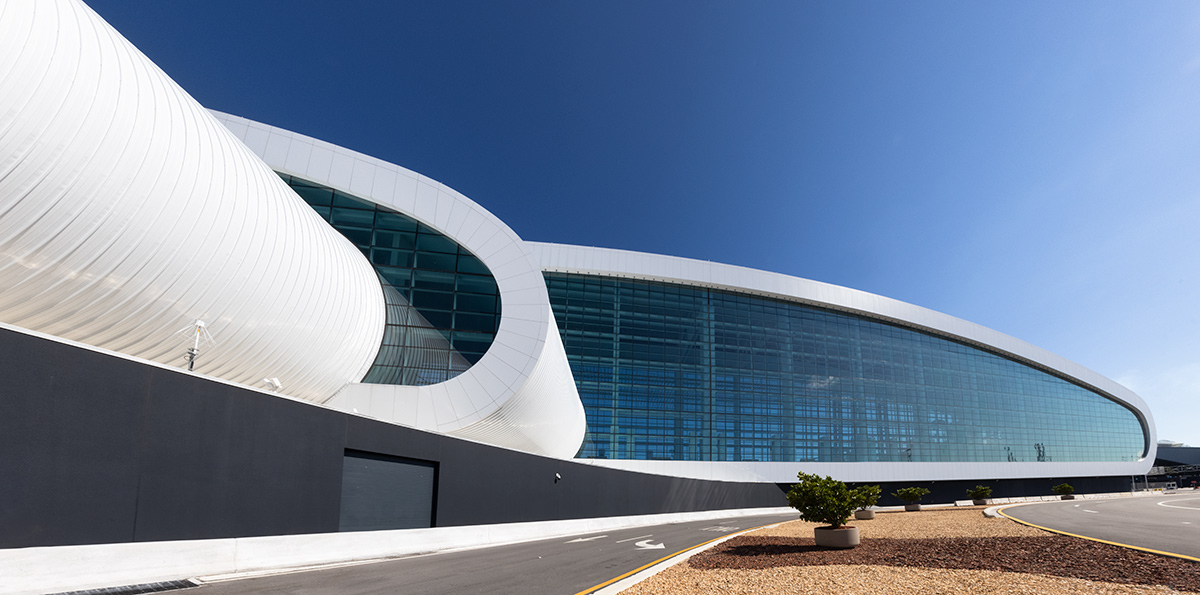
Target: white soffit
column 874, row 472
column 521, row 393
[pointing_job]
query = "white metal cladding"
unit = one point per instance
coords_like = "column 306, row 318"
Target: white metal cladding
column 562, row 258
column 127, row 211
column 521, row 393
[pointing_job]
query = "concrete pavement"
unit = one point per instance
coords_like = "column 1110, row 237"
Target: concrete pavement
column 1164, row 523
column 564, row 565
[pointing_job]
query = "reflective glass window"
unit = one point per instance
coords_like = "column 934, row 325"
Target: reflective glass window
column 674, row 372
column 442, row 302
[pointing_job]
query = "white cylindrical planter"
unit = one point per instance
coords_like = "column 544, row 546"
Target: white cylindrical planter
column 864, row 515
column 912, row 507
column 979, row 502
column 843, row 537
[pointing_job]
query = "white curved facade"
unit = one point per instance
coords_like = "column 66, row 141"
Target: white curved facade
column 127, row 211
column 521, row 394
column 559, row 258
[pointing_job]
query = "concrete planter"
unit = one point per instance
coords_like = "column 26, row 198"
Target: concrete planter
column 1068, row 496
column 844, row 537
column 864, row 515
column 979, row 502
column 912, row 507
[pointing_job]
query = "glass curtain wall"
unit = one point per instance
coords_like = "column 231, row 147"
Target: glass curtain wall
column 676, row 372
column 443, row 305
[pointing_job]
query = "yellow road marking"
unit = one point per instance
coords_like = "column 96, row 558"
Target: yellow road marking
column 665, row 558
column 1125, row 545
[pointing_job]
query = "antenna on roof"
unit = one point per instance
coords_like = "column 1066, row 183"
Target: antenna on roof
column 200, row 334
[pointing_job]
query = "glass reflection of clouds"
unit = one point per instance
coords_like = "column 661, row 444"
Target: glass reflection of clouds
column 676, row 372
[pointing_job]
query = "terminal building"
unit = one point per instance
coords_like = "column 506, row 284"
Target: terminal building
column 377, row 348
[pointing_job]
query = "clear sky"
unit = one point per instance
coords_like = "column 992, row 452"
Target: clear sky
column 1030, row 166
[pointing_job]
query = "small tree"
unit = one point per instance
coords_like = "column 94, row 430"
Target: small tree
column 1063, row 489
column 870, row 496
column 980, row 492
column 911, row 495
column 827, row 500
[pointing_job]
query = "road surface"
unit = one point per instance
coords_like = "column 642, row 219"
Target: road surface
column 560, row 566
column 1165, row 523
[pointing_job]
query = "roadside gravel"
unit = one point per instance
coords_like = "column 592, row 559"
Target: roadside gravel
column 873, row 580
column 933, row 551
column 926, row 524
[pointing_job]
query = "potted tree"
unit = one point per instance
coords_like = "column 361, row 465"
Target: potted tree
column 1064, row 490
column 870, row 497
column 979, row 495
column 912, row 496
column 828, row 501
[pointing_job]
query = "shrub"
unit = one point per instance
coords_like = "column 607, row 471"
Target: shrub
column 1063, row 489
column 827, row 500
column 911, row 495
column 980, row 493
column 870, row 495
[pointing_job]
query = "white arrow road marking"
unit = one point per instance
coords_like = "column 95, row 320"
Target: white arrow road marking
column 1164, row 503
column 638, row 537
column 587, row 539
column 645, row 544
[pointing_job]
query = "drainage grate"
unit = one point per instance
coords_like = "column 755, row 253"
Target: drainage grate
column 133, row 589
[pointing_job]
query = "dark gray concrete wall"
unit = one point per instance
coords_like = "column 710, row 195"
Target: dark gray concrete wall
column 1169, row 456
column 100, row 449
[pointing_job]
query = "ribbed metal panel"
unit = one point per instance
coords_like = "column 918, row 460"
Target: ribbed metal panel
column 381, row 492
column 127, row 211
column 537, row 418
column 521, row 393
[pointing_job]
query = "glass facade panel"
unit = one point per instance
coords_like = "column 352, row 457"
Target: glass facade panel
column 675, row 372
column 439, row 321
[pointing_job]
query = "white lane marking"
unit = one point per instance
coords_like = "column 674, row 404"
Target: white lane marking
column 721, row 529
column 587, row 539
column 1092, row 511
column 1187, row 522
column 638, row 537
column 1165, row 505
column 645, row 545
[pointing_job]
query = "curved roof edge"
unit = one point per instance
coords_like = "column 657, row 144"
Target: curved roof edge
column 565, row 258
column 490, row 401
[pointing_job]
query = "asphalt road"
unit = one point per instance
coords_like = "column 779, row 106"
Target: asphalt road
column 1167, row 523
column 561, row 566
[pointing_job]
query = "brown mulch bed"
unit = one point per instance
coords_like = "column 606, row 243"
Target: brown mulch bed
column 1053, row 555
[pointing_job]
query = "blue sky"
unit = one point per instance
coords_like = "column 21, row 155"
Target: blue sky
column 1032, row 167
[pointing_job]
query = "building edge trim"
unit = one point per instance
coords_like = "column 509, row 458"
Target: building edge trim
column 872, row 472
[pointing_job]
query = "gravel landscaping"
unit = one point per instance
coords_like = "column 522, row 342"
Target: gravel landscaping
column 933, row 551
